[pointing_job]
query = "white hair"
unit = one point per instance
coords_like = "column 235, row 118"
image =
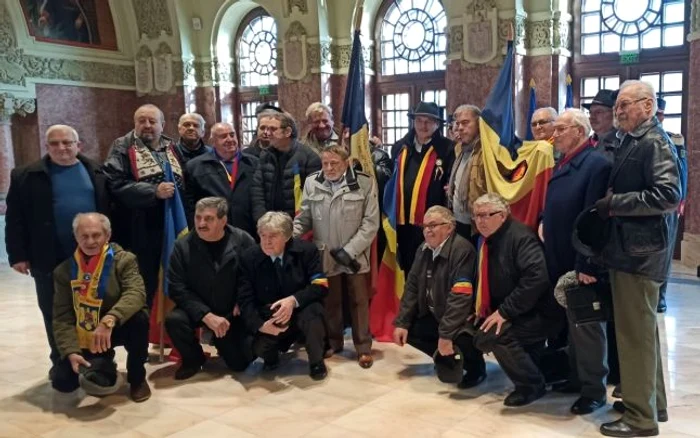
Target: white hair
column 197, row 116
column 494, row 199
column 476, row 112
column 548, row 109
column 580, row 119
column 276, row 221
column 642, row 90
column 104, row 221
column 70, row 129
column 318, row 107
column 443, row 213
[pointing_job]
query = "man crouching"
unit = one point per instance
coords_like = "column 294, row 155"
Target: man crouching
column 100, row 302
column 437, row 297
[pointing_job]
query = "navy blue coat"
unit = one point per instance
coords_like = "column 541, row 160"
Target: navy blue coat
column 573, row 188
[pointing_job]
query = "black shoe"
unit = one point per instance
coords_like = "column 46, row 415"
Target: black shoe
column 566, row 388
column 52, row 373
column 188, row 370
column 617, row 391
column 318, row 371
column 470, row 380
column 620, row 428
column 585, row 405
column 522, row 397
column 661, row 414
column 661, row 307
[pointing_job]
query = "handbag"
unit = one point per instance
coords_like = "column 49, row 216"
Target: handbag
column 589, row 303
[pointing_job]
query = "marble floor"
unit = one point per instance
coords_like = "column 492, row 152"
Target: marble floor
column 398, row 397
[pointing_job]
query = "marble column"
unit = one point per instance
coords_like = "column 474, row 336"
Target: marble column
column 9, row 105
column 690, row 246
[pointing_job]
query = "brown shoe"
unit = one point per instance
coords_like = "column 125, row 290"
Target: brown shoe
column 141, row 392
column 365, row 360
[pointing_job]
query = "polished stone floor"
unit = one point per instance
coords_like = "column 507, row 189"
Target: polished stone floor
column 398, row 397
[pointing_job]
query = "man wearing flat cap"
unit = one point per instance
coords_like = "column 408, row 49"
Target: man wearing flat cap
column 679, row 142
column 423, row 159
column 600, row 111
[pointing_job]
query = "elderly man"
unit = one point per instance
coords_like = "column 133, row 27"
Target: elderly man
column 191, row 128
column 203, row 279
column 513, row 300
column 136, row 170
column 43, row 199
column 281, row 294
column 578, row 181
column 679, row 143
column 467, row 179
column 321, row 134
column 283, row 168
column 340, row 206
column 100, row 303
column 438, row 296
column 643, row 195
column 542, row 124
column 600, row 110
column 424, row 158
column 224, row 172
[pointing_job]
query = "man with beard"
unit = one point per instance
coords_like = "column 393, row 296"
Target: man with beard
column 224, row 172
column 423, row 158
column 321, row 133
column 135, row 170
column 191, row 145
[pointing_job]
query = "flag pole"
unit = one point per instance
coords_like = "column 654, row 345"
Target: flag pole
column 358, row 14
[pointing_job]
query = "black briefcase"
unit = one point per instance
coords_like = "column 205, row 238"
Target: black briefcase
column 589, row 303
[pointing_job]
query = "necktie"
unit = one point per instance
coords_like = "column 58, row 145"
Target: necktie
column 279, row 270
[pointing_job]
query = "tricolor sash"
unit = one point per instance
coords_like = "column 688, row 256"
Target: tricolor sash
column 483, row 294
column 89, row 285
column 419, row 194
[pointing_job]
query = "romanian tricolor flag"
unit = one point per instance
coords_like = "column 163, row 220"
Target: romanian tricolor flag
column 569, row 93
column 390, row 280
column 174, row 228
column 354, row 109
column 517, row 171
column 531, row 111
column 463, row 286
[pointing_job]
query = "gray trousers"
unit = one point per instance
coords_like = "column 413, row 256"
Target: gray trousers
column 635, row 299
column 588, row 356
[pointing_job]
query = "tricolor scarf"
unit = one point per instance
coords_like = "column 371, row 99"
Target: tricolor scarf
column 419, row 196
column 89, row 285
column 297, row 188
column 233, row 174
column 146, row 167
column 483, row 295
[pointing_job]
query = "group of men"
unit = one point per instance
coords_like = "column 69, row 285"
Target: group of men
column 477, row 280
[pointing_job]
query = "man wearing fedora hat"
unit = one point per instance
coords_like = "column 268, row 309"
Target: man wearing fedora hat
column 600, row 111
column 423, row 158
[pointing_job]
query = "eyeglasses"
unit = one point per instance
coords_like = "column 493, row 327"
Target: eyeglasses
column 622, row 106
column 431, row 227
column 61, row 142
column 561, row 128
column 270, row 129
column 484, row 216
column 537, row 123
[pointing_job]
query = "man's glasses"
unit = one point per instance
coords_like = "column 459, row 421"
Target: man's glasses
column 431, row 227
column 61, row 142
column 537, row 123
column 484, row 216
column 622, row 106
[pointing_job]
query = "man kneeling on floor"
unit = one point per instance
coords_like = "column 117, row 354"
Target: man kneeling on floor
column 100, row 302
column 281, row 294
column 513, row 315
column 437, row 298
column 203, row 279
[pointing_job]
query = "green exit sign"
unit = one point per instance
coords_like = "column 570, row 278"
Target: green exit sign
column 264, row 90
column 629, row 57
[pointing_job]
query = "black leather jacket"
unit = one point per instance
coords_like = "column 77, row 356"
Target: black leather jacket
column 646, row 192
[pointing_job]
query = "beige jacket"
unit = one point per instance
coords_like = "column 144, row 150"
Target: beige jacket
column 348, row 218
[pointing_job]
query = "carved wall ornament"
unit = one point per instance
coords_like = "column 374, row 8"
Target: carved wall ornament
column 562, row 36
column 144, row 71
column 695, row 16
column 480, row 8
column 295, row 52
column 456, row 40
column 480, row 37
column 163, row 78
column 300, row 5
column 10, row 105
column 340, row 56
column 538, row 34
column 152, row 17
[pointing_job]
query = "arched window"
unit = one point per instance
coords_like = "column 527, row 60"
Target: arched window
column 411, row 56
column 617, row 40
column 256, row 67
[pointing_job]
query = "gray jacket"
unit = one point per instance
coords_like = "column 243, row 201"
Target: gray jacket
column 646, row 191
column 347, row 218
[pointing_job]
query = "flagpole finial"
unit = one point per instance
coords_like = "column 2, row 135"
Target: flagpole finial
column 532, row 83
column 358, row 14
column 568, row 79
column 511, row 32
